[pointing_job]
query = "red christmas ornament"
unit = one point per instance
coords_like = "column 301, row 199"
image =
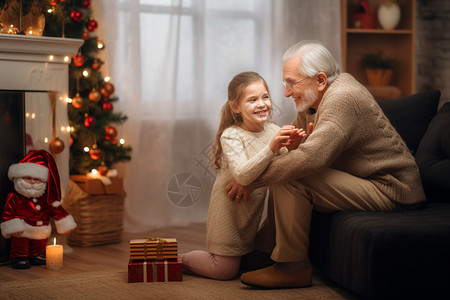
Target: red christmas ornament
column 86, row 3
column 91, row 25
column 78, row 60
column 103, row 169
column 70, row 141
column 96, row 65
column 77, row 101
column 110, row 133
column 94, row 95
column 89, row 121
column 54, row 2
column 76, row 15
column 56, row 145
column 95, row 153
column 107, row 106
column 85, row 35
column 107, row 89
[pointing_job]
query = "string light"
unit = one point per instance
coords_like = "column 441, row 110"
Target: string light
column 86, row 149
column 46, row 140
column 122, row 141
column 86, row 73
column 94, row 171
column 69, row 100
column 107, row 79
column 66, row 58
column 51, row 57
column 100, row 45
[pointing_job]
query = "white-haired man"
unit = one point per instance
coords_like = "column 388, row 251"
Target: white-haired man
column 352, row 159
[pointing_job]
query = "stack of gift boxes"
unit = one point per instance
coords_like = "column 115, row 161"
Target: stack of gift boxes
column 154, row 260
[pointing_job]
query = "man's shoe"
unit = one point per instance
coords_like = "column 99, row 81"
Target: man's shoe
column 20, row 263
column 272, row 278
column 38, row 260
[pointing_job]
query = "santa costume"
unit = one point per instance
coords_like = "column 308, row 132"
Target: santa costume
column 28, row 211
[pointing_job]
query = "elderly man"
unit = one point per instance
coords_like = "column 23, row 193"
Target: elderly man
column 352, row 160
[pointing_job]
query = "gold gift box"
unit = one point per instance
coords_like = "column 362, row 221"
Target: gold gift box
column 153, row 249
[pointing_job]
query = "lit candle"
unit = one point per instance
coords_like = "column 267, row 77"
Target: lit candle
column 54, row 256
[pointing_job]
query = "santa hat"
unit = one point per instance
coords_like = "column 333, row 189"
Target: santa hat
column 39, row 164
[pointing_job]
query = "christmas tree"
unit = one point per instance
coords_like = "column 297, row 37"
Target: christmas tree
column 93, row 142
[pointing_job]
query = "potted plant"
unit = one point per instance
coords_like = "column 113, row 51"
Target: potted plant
column 378, row 68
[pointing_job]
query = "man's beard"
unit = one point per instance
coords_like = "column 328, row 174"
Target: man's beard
column 29, row 190
column 310, row 98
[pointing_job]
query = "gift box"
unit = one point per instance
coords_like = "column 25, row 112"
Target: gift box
column 153, row 249
column 155, row 271
column 95, row 186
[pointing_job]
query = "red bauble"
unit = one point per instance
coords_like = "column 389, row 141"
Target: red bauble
column 77, row 101
column 103, row 169
column 91, row 25
column 89, row 121
column 70, row 141
column 54, row 2
column 86, row 3
column 56, row 145
column 110, row 133
column 96, row 65
column 76, row 15
column 85, row 35
column 107, row 89
column 95, row 96
column 95, row 153
column 107, row 106
column 78, row 60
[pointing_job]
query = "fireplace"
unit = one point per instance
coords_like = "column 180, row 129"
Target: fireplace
column 34, row 75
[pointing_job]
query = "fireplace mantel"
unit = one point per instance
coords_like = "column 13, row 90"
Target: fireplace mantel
column 41, row 64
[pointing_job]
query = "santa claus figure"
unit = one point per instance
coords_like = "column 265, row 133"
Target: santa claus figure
column 27, row 213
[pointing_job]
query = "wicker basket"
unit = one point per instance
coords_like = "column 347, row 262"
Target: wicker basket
column 99, row 218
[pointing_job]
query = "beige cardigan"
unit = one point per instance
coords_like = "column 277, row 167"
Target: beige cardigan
column 351, row 134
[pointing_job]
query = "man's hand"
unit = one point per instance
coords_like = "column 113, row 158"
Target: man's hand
column 297, row 136
column 281, row 138
column 237, row 192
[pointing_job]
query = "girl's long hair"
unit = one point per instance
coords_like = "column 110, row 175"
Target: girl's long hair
column 228, row 118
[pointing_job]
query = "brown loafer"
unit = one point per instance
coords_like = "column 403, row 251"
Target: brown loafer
column 272, row 278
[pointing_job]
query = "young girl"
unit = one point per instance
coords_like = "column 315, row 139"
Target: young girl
column 245, row 144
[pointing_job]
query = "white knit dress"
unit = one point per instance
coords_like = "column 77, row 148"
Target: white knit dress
column 231, row 227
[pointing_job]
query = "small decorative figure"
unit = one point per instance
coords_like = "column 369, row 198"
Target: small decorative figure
column 10, row 17
column 27, row 213
column 34, row 20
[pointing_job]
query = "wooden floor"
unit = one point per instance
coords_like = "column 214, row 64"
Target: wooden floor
column 114, row 256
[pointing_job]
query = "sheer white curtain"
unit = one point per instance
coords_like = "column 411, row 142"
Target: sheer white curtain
column 171, row 61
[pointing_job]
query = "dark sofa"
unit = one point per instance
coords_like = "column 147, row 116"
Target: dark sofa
column 403, row 254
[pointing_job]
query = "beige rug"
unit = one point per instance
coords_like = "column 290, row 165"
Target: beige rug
column 114, row 285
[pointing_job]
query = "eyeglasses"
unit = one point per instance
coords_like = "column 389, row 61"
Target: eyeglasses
column 291, row 85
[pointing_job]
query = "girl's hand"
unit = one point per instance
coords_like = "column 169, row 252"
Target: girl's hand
column 282, row 138
column 17, row 234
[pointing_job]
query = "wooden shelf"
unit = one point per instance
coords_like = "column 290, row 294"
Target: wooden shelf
column 397, row 43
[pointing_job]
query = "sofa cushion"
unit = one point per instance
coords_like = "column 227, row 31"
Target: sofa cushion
column 433, row 157
column 385, row 255
column 410, row 115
